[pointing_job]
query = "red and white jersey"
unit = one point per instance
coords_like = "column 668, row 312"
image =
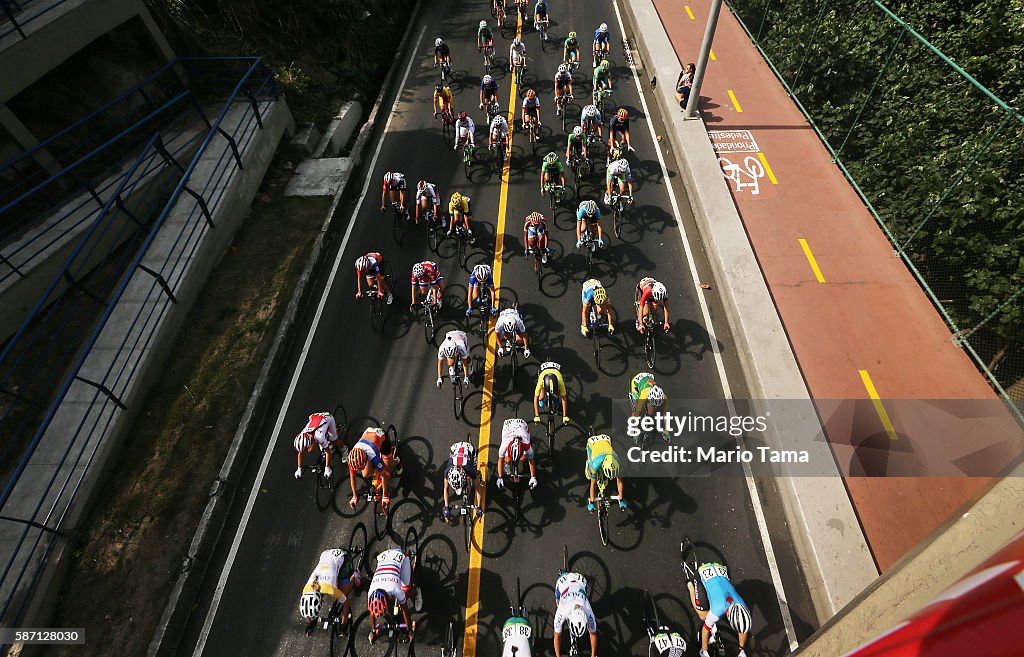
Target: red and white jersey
column 393, row 574
column 429, row 192
column 321, row 427
column 462, row 454
column 431, row 274
column 512, row 429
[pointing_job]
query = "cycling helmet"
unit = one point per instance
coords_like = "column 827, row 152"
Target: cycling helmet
column 603, row 28
column 488, row 79
column 418, row 271
column 421, row 185
column 577, row 622
column 551, row 158
column 550, row 365
column 509, row 323
column 377, row 603
column 357, row 459
column 623, row 113
column 457, row 480
column 389, row 178
column 656, row 396
column 563, row 68
column 739, row 618
column 309, row 605
column 498, row 120
column 362, row 263
column 438, row 42
column 577, row 131
column 456, row 198
column 590, row 111
column 531, row 93
column 482, row 25
column 600, row 296
column 659, row 292
column 517, row 42
column 438, row 88
column 589, row 208
column 610, row 466
column 572, row 35
column 462, row 116
column 514, row 452
column 448, row 349
column 482, row 272
column 303, row 441
column 615, row 153
column 535, row 217
column 605, row 65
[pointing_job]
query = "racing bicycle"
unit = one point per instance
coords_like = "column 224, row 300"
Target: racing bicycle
column 467, row 157
column 399, row 222
column 554, row 193
column 662, row 641
column 716, row 648
column 618, row 203
column 589, row 247
column 375, row 492
column 429, row 308
column 538, row 262
column 602, row 501
column 435, row 227
column 596, row 328
column 458, row 392
column 323, row 494
column 482, row 305
column 601, row 94
column 580, row 167
column 376, row 298
column 447, row 124
column 467, row 511
column 574, row 638
column 392, row 625
column 517, row 633
column 542, row 27
column 650, row 344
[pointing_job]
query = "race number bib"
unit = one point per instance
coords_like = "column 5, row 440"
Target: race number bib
column 516, row 629
column 666, row 642
column 709, row 570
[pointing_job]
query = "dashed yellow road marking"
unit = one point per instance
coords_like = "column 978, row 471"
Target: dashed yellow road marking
column 690, row 13
column 735, row 103
column 879, row 407
column 767, row 168
column 811, row 259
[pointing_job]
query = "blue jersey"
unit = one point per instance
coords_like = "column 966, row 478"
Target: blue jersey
column 489, row 282
column 602, row 37
column 721, row 593
column 588, row 291
column 492, row 87
column 581, row 215
column 541, row 8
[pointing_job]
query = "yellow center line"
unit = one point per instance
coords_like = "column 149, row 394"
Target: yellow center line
column 811, row 259
column 879, row 408
column 690, row 13
column 735, row 102
column 712, row 53
column 486, row 407
column 767, row 168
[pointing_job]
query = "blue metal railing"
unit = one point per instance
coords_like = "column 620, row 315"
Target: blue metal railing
column 231, row 133
column 22, row 12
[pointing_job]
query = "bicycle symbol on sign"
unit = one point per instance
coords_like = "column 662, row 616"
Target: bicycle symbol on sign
column 745, row 176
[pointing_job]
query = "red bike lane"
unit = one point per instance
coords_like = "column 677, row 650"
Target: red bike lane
column 859, row 324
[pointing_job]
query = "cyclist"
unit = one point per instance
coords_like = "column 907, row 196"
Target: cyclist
column 481, row 277
column 619, row 125
column 645, row 395
column 464, row 128
column 521, row 7
column 516, row 637
column 571, row 49
column 392, row 580
column 531, row 107
column 563, row 84
column 602, row 41
column 442, row 53
column 588, row 215
column 335, row 575
column 550, row 374
column 460, row 471
column 591, row 121
column 455, row 346
column 551, row 171
column 394, row 186
column 572, row 606
column 460, row 211
column 515, row 447
column 575, row 146
column 510, row 326
column 595, row 299
column 320, row 431
column 427, row 198
column 484, row 37
column 713, row 596
column 618, row 172
column 373, row 452
column 602, row 461
column 488, row 91
column 602, row 78
column 371, row 268
column 516, row 54
column 535, row 235
column 443, row 99
column 427, row 282
column 649, row 295
column 499, row 131
column 540, row 15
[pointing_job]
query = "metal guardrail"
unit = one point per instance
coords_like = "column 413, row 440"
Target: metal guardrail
column 30, row 412
column 22, row 12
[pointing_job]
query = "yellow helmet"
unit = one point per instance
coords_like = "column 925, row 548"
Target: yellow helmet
column 610, row 466
column 600, row 296
column 456, row 198
column 605, row 65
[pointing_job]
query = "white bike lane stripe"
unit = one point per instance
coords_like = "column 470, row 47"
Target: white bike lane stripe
column 271, row 444
column 762, row 524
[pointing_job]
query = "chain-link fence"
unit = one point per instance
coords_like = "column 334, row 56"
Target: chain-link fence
column 936, row 156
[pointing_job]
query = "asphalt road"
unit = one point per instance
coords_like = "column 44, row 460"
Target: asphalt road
column 249, row 602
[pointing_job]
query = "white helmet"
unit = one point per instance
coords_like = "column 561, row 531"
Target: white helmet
column 563, row 68
column 603, row 28
column 418, row 271
column 577, row 622
column 659, row 292
column 482, row 25
column 517, row 42
column 482, row 272
column 514, row 452
column 309, row 605
column 488, row 79
column 438, row 42
column 449, row 348
column 590, row 110
column 509, row 323
column 577, row 131
column 457, row 480
column 739, row 618
column 303, row 441
column 656, row 396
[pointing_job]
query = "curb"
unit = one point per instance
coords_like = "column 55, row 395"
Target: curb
column 186, row 589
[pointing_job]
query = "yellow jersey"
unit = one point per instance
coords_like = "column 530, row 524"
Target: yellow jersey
column 445, row 96
column 558, row 378
column 462, row 207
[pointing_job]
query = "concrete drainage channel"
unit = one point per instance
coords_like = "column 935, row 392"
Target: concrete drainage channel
column 317, row 175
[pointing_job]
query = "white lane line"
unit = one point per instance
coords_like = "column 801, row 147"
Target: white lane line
column 226, row 571
column 755, row 498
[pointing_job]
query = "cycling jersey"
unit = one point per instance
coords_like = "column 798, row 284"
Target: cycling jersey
column 589, row 288
column 484, row 35
column 575, row 143
column 429, row 192
column 559, row 381
column 570, row 586
column 465, row 128
column 444, row 96
column 499, row 125
column 570, row 591
column 465, row 206
column 393, row 575
column 721, row 594
column 515, row 53
column 512, row 430
column 489, row 89
column 431, row 275
column 619, row 169
column 601, row 76
column 510, row 314
column 639, row 388
column 442, row 51
column 374, row 442
column 333, row 571
column 541, row 9
column 462, row 456
column 552, row 167
column 616, row 124
column 458, row 338
column 474, row 281
column 376, row 267
column 598, row 449
column 572, row 45
column 590, row 114
column 321, row 427
column 531, row 103
column 563, row 78
column 397, row 182
column 602, row 38
column 515, row 637
column 581, row 214
column 647, row 292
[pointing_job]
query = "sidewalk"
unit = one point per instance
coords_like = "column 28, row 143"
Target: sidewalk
column 859, row 324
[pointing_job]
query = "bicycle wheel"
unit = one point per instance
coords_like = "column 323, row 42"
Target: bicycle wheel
column 516, row 498
column 324, row 490
column 341, row 421
column 651, row 620
column 551, row 426
column 538, row 268
column 588, row 249
column 377, row 314
column 515, row 363
column 467, row 160
column 551, row 200
column 398, row 226
column 467, row 529
column 565, row 558
column 563, row 116
column 410, row 545
column 650, row 350
column 434, row 236
column 457, row 399
column 357, row 547
column 597, row 345
column 602, row 520
column 428, row 322
column 576, row 175
column 449, row 640
column 617, row 221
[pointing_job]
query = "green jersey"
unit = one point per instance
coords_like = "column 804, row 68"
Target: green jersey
column 552, row 167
